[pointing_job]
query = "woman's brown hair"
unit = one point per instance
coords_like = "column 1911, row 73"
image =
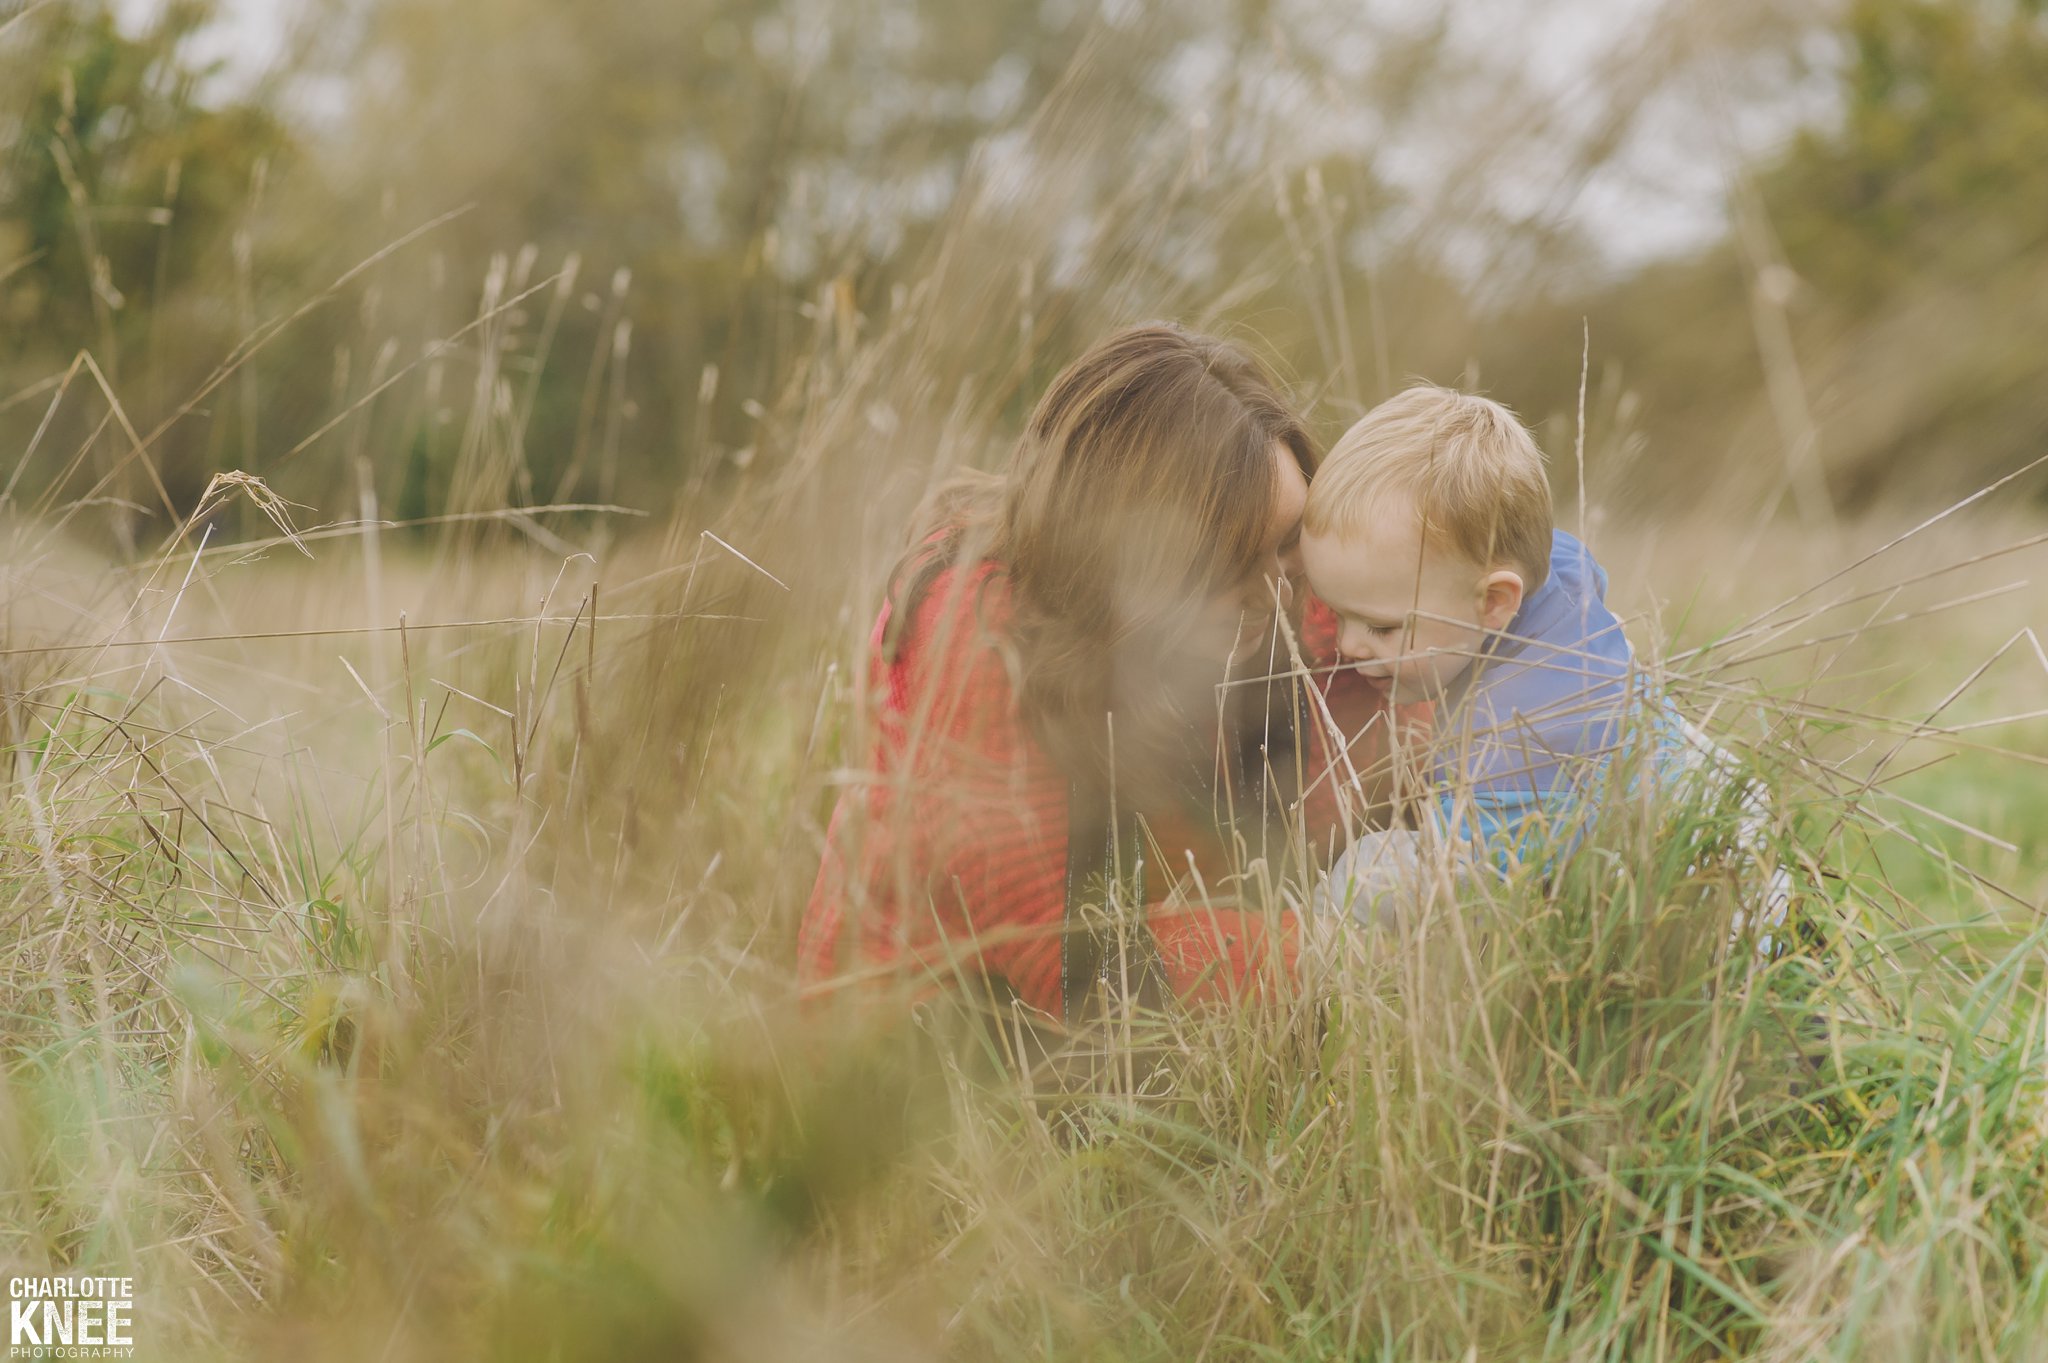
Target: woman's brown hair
column 1141, row 490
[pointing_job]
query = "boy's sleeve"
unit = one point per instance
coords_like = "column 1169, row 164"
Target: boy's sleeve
column 1511, row 825
column 1505, row 827
column 1367, row 881
column 1521, row 805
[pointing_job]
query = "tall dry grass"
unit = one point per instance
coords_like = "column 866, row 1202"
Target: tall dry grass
column 398, row 923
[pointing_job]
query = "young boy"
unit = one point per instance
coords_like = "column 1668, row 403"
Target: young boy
column 1428, row 532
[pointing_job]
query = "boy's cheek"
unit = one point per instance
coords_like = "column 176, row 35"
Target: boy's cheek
column 1425, row 679
column 1449, row 667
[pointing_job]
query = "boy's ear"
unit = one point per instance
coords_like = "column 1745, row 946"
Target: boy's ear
column 1500, row 597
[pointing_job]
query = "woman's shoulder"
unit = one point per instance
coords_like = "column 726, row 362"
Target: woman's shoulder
column 955, row 633
column 973, row 595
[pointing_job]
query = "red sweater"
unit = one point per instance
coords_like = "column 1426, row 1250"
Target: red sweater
column 951, row 853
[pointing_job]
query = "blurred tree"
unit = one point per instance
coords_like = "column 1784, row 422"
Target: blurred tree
column 726, row 176
column 708, row 168
column 121, row 190
column 617, row 232
column 1875, row 303
column 1920, row 225
column 1938, row 166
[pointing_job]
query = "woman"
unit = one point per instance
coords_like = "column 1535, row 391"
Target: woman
column 1076, row 702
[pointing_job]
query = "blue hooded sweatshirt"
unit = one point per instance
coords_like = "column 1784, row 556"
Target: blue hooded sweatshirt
column 1526, row 732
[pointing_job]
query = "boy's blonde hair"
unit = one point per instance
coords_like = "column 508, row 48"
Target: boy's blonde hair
column 1473, row 470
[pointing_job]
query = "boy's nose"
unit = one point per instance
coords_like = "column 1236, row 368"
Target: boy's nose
column 1356, row 645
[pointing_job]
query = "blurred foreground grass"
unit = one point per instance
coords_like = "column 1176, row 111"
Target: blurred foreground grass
column 422, row 993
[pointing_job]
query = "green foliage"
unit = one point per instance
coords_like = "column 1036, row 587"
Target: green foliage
column 128, row 196
column 1933, row 175
column 122, row 182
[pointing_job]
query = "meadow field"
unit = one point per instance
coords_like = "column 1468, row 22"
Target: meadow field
column 414, row 779
column 399, row 954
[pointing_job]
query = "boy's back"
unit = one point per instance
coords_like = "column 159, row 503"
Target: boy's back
column 1526, row 729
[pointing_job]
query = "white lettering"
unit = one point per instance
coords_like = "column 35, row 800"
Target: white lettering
column 25, row 1323
column 71, row 1317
